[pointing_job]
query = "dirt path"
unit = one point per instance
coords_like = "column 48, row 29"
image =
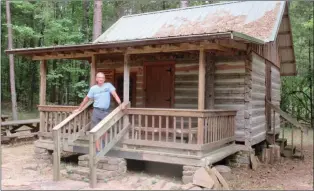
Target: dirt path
column 290, row 174
column 19, row 171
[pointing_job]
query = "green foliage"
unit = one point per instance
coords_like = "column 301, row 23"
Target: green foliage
column 47, row 23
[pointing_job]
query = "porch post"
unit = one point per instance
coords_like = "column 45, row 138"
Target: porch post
column 42, row 94
column 126, row 79
column 201, row 95
column 93, row 71
column 126, row 90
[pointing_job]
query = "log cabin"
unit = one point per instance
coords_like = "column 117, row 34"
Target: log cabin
column 196, row 82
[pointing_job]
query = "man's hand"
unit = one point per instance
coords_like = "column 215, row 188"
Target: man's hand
column 122, row 107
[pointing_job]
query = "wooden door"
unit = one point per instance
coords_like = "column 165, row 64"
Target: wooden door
column 159, row 85
column 159, row 93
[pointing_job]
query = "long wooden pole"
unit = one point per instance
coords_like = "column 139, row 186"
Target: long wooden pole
column 126, row 79
column 126, row 89
column 201, row 95
column 42, row 95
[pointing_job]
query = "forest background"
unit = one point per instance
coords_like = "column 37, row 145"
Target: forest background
column 49, row 23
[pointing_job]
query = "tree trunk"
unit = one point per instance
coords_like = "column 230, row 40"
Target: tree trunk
column 11, row 59
column 184, row 3
column 97, row 23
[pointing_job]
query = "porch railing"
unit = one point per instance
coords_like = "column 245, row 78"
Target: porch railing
column 52, row 115
column 177, row 128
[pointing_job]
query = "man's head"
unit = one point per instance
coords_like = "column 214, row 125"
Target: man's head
column 100, row 78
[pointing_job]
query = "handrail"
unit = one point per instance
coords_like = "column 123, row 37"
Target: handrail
column 107, row 119
column 182, row 112
column 108, row 123
column 72, row 116
column 287, row 117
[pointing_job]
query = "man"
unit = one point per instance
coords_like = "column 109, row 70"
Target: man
column 100, row 93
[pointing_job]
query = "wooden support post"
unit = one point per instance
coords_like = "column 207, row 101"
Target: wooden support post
column 201, row 95
column 56, row 154
column 92, row 161
column 126, row 89
column 93, row 71
column 126, row 79
column 42, row 95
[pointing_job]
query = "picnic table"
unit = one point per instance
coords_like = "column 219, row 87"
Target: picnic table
column 4, row 117
column 10, row 127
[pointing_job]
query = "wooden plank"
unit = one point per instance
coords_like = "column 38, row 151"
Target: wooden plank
column 167, row 128
column 56, row 155
column 184, row 146
column 43, row 81
column 159, row 129
column 92, row 161
column 20, row 122
column 174, row 129
column 176, row 48
column 60, row 108
column 146, row 124
column 153, row 126
column 182, row 123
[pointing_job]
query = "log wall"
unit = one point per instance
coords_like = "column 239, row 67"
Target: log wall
column 186, row 76
column 229, row 89
column 258, row 125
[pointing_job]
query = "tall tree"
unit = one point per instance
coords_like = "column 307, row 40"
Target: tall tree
column 97, row 19
column 184, row 3
column 11, row 60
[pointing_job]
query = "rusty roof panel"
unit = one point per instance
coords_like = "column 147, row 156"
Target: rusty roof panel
column 258, row 19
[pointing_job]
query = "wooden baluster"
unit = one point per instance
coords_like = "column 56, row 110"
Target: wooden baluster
column 106, row 139
column 140, row 126
column 74, row 127
column 133, row 126
column 120, row 125
column 190, row 135
column 111, row 131
column 292, row 141
column 174, row 129
column 215, row 128
column 182, row 123
column 47, row 122
column 159, row 128
column 84, row 122
column 211, row 136
column 146, row 128
column 153, row 127
column 206, row 131
column 167, row 128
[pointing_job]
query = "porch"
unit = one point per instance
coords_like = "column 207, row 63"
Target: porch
column 162, row 128
column 170, row 132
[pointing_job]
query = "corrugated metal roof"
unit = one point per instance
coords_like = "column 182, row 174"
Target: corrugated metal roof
column 257, row 19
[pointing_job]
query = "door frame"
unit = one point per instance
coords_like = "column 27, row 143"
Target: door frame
column 172, row 83
column 133, row 74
